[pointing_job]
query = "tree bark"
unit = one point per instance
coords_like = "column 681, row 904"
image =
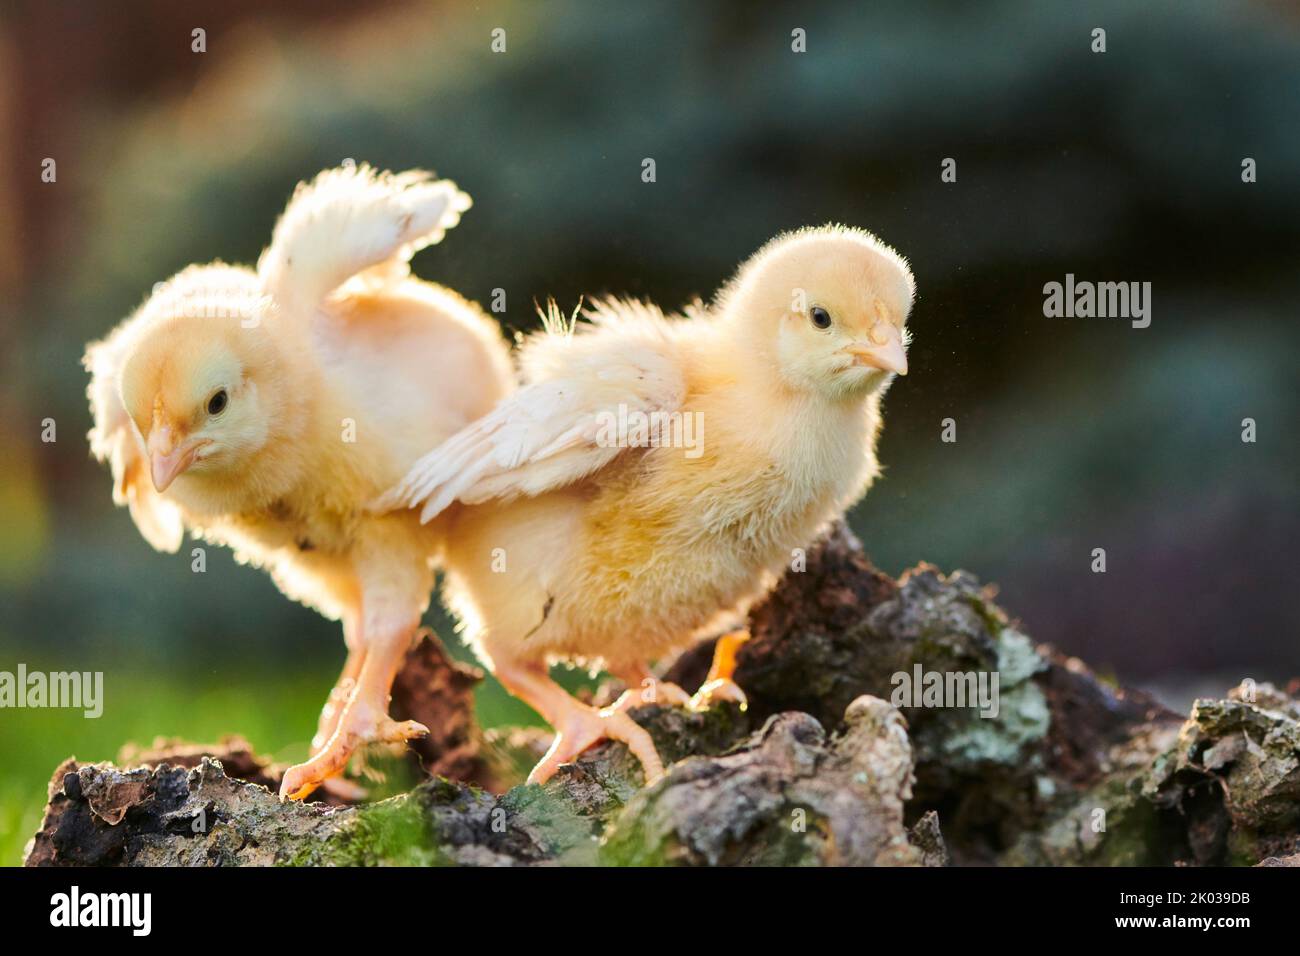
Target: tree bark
column 820, row 769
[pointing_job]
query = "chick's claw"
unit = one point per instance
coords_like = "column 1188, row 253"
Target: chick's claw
column 585, row 726
column 663, row 692
column 718, row 686
column 650, row 692
column 397, row 732
column 301, row 780
column 718, row 690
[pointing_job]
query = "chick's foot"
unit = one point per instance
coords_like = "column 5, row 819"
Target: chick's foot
column 577, row 725
column 584, row 726
column 721, row 690
column 662, row 692
column 643, row 689
column 354, row 731
column 719, row 686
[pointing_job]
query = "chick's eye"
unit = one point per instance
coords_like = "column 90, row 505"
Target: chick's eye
column 820, row 317
column 217, row 403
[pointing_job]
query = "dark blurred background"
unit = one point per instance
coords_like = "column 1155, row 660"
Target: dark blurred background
column 1072, row 434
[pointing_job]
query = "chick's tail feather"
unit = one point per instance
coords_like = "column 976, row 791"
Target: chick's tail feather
column 355, row 220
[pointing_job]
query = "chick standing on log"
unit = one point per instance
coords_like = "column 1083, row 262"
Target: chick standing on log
column 263, row 409
column 564, row 545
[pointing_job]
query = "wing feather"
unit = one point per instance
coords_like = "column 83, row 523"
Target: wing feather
column 559, row 428
column 354, row 221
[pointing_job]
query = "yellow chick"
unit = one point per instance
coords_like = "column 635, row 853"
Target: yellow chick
column 263, row 409
column 655, row 474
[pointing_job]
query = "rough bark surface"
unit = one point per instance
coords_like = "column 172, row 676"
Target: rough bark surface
column 821, row 769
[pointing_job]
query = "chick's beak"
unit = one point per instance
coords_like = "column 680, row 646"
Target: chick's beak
column 883, row 351
column 166, row 460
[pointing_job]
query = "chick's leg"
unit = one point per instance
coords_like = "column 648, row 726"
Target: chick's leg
column 644, row 688
column 394, row 592
column 577, row 726
column 718, row 685
column 347, row 682
column 364, row 719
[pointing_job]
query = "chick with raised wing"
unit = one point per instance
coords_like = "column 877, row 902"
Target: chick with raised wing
column 263, row 409
column 654, row 474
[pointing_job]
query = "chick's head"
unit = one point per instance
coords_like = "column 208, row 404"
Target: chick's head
column 827, row 307
column 204, row 382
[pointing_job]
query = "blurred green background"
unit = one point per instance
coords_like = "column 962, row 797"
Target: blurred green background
column 1072, row 434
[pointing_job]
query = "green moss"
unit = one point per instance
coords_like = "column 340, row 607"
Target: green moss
column 641, row 839
column 394, row 832
column 1243, row 847
column 989, row 613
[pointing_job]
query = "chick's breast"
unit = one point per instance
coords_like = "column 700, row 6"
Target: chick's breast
column 670, row 542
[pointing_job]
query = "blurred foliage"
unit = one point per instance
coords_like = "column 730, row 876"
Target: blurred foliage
column 139, row 706
column 274, row 708
column 1072, row 434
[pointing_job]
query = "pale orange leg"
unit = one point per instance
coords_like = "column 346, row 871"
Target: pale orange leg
column 364, row 718
column 577, row 726
column 719, row 686
column 338, row 698
column 337, row 701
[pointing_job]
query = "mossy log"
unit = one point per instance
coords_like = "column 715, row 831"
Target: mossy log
column 822, row 768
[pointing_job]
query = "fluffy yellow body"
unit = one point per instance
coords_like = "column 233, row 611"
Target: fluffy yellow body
column 402, row 370
column 264, row 409
column 563, row 546
column 635, row 562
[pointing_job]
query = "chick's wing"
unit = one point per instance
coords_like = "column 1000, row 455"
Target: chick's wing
column 353, row 221
column 562, row 426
